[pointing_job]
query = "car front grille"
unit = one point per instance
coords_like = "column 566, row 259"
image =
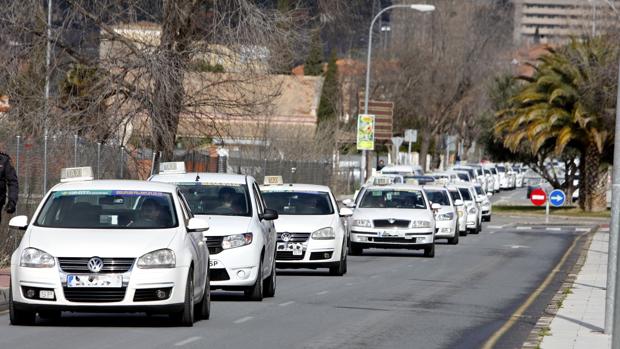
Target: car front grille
column 393, row 240
column 214, row 243
column 219, row 274
column 288, row 256
column 94, row 295
column 110, row 265
column 385, row 223
column 294, row 237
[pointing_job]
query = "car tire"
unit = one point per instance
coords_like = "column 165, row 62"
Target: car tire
column 269, row 285
column 19, row 317
column 186, row 316
column 355, row 250
column 203, row 308
column 463, row 233
column 429, row 252
column 454, row 240
column 255, row 293
column 341, row 268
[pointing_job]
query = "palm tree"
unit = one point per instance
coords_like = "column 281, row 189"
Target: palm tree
column 568, row 102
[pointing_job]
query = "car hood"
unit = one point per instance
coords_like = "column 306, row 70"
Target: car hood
column 395, row 213
column 303, row 224
column 64, row 242
column 226, row 225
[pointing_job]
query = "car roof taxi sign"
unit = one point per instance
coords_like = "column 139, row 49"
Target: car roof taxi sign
column 172, row 167
column 76, row 174
column 273, row 180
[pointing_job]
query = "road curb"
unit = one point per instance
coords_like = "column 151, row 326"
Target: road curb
column 537, row 334
column 4, row 298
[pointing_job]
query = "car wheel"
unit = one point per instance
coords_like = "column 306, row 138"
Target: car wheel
column 344, row 250
column 204, row 306
column 255, row 293
column 454, row 240
column 429, row 252
column 19, row 317
column 463, row 233
column 186, row 316
column 355, row 250
column 270, row 282
column 341, row 268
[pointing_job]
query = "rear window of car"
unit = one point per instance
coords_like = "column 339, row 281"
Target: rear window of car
column 465, row 194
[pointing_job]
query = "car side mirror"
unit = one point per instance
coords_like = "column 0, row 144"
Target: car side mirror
column 269, row 215
column 197, row 225
column 489, row 194
column 436, row 207
column 479, row 200
column 348, row 203
column 346, row 212
column 458, row 202
column 19, row 222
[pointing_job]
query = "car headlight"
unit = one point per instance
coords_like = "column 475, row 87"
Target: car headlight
column 445, row 216
column 324, row 234
column 364, row 223
column 472, row 210
column 237, row 240
column 163, row 258
column 35, row 258
column 461, row 213
column 420, row 224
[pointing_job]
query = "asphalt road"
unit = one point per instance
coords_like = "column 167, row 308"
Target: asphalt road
column 388, row 299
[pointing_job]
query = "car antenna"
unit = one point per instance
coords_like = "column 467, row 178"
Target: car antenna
column 197, row 178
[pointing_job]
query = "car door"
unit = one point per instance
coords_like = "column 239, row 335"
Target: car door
column 267, row 229
column 197, row 246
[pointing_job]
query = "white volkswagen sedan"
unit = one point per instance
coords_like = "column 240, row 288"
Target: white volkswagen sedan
column 241, row 237
column 110, row 246
column 311, row 233
column 393, row 216
column 446, row 218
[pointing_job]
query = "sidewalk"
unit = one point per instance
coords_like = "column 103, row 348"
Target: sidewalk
column 580, row 321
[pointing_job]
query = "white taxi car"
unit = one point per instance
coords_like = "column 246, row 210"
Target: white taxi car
column 311, row 233
column 486, row 207
column 472, row 206
column 393, row 216
column 446, row 218
column 241, row 236
column 110, row 246
column 461, row 211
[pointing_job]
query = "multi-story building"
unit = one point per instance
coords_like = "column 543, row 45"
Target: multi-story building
column 556, row 21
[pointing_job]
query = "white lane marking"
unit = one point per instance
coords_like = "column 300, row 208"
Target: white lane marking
column 322, row 293
column 374, row 276
column 582, row 229
column 553, row 229
column 349, row 284
column 286, row 303
column 243, row 319
column 516, row 246
column 495, row 227
column 186, row 341
column 524, row 228
column 492, row 232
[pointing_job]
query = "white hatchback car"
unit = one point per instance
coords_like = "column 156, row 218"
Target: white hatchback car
column 446, row 218
column 393, row 216
column 311, row 233
column 110, row 246
column 241, row 237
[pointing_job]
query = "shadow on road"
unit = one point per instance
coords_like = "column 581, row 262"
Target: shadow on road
column 107, row 320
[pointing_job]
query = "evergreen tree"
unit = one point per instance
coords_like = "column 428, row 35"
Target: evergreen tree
column 314, row 63
column 329, row 96
column 284, row 6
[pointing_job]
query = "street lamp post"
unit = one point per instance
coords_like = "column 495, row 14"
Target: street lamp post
column 417, row 7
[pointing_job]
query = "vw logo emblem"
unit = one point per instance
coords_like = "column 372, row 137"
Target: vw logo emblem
column 391, row 220
column 285, row 237
column 95, row 264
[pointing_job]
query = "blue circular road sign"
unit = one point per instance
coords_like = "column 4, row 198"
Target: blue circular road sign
column 557, row 198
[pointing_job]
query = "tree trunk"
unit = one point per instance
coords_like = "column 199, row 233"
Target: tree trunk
column 425, row 144
column 593, row 189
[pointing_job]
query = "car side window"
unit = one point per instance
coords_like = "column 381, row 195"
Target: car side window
column 187, row 213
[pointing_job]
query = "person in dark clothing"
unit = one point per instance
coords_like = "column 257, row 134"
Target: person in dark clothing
column 8, row 180
column 381, row 165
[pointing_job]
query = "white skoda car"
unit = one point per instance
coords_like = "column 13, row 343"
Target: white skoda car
column 241, row 236
column 446, row 218
column 110, row 246
column 393, row 216
column 311, row 233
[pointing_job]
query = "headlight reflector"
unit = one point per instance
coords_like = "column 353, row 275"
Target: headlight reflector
column 324, row 234
column 420, row 224
column 445, row 216
column 163, row 258
column 35, row 258
column 237, row 240
column 364, row 223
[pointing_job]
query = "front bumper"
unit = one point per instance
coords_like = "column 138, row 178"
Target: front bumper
column 445, row 229
column 235, row 267
column 393, row 238
column 314, row 253
column 121, row 299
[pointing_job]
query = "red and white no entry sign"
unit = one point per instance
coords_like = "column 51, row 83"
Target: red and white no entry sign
column 538, row 197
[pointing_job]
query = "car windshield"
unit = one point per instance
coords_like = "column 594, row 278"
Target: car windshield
column 422, row 180
column 479, row 190
column 438, row 197
column 393, row 198
column 299, row 203
column 108, row 209
column 501, row 169
column 221, row 199
column 471, row 171
column 463, row 176
column 465, row 194
column 494, row 171
column 455, row 195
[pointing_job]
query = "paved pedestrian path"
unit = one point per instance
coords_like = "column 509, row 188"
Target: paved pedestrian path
column 580, row 321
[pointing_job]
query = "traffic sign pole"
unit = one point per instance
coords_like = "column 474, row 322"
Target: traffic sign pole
column 547, row 212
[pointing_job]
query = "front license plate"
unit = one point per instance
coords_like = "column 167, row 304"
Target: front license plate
column 104, row 280
column 213, row 263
